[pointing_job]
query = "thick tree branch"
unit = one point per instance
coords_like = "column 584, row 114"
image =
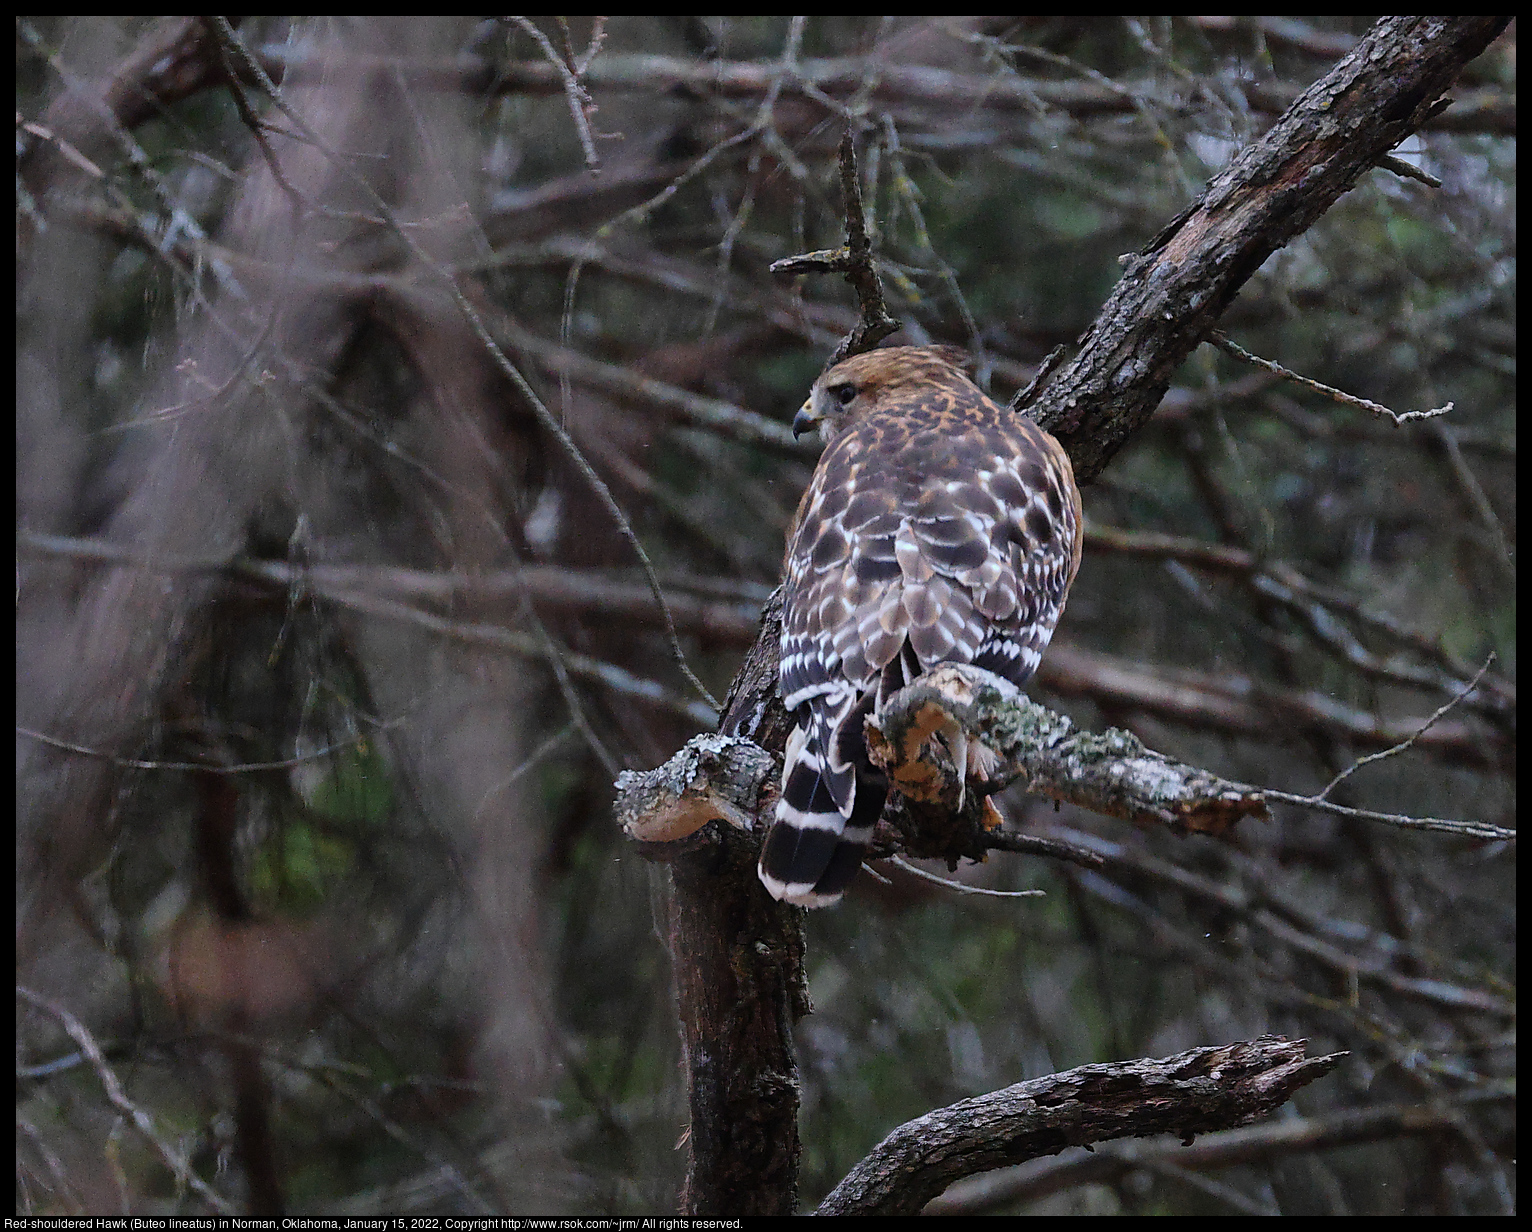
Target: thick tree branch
column 1251, row 1145
column 731, row 778
column 737, row 952
column 1173, row 292
column 1195, row 1092
column 1111, row 773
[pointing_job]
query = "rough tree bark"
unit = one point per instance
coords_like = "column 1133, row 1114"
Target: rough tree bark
column 738, row 959
column 1187, row 1094
column 1174, row 291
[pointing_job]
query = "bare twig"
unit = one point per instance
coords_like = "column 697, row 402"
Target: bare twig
column 582, row 62
column 1223, row 343
column 253, row 122
column 533, row 759
column 909, row 201
column 1037, row 845
column 1404, row 744
column 580, row 104
column 141, row 1120
column 764, row 124
column 960, row 887
column 134, row 763
column 1408, row 171
column 724, row 418
column 609, row 675
column 61, row 1186
column 175, row 219
column 1315, row 605
column 1249, row 896
column 854, row 262
column 65, row 148
column 331, row 1077
column 1139, row 99
column 1473, row 492
column 1464, row 829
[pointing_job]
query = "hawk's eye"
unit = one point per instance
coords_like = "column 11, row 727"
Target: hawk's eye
column 844, row 394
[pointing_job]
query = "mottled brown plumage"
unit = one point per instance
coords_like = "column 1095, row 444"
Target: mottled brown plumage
column 938, row 527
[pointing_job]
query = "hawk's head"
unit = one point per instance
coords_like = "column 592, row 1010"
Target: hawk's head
column 857, row 386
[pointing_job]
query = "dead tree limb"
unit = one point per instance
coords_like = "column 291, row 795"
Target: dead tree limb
column 1252, row 1144
column 1191, row 1093
column 727, row 778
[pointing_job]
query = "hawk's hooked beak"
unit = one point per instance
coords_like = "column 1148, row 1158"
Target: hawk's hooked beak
column 805, row 420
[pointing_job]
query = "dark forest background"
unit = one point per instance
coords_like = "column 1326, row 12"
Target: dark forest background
column 333, row 630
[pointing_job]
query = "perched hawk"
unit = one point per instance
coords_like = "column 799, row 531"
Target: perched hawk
column 938, row 528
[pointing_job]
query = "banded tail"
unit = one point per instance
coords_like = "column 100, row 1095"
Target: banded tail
column 832, row 796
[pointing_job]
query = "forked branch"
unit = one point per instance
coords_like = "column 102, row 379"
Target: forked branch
column 853, row 260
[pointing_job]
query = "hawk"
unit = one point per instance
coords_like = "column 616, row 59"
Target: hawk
column 938, row 528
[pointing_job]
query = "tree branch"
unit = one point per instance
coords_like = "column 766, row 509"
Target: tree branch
column 713, row 776
column 854, row 261
column 1111, row 773
column 1195, row 1092
column 1231, row 1148
column 912, row 91
column 1229, row 347
column 1174, row 291
column 141, row 1120
column 730, row 778
column 737, row 953
column 1235, row 704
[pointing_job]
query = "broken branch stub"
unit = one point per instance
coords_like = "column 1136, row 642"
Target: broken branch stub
column 712, row 777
